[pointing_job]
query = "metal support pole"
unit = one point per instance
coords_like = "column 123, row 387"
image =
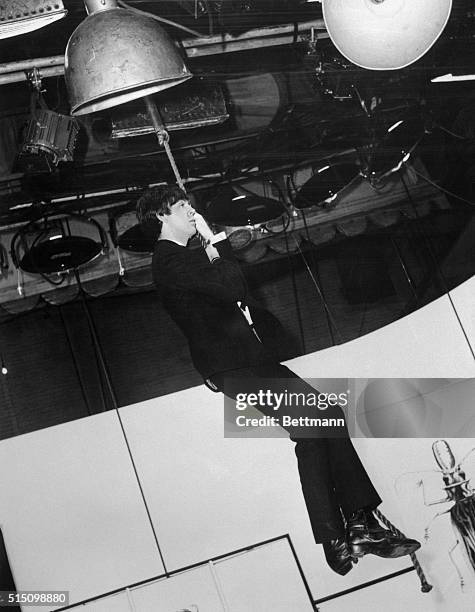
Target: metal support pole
column 163, row 137
column 22, row 75
column 29, row 64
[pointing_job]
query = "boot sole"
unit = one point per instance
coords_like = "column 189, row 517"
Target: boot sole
column 387, row 552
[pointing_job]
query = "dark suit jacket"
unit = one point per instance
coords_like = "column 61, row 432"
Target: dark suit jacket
column 201, row 298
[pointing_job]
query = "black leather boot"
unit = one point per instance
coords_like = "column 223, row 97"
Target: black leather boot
column 338, row 555
column 365, row 535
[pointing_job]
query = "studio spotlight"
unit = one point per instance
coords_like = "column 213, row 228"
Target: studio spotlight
column 385, row 34
column 116, row 55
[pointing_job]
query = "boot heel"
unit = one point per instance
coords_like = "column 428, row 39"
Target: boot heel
column 357, row 551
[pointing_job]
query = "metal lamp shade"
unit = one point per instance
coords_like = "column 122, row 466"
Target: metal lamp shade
column 231, row 209
column 115, row 56
column 385, row 34
column 326, row 184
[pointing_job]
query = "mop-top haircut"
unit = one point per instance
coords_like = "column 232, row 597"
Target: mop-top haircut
column 157, row 200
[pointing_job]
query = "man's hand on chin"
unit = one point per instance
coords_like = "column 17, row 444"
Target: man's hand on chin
column 202, row 227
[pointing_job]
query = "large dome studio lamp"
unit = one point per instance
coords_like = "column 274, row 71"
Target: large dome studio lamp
column 117, row 55
column 385, row 34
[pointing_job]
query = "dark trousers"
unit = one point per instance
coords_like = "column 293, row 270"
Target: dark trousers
column 334, row 481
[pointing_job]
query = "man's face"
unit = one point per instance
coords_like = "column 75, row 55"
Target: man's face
column 180, row 221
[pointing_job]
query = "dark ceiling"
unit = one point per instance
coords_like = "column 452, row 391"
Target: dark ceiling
column 287, row 104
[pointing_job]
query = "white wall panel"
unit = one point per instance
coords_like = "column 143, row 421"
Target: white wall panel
column 266, row 578
column 193, row 590
column 70, row 510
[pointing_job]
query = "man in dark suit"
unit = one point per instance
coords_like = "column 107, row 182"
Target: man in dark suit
column 205, row 293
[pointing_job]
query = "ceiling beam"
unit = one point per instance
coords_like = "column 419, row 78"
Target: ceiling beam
column 15, row 72
column 260, row 37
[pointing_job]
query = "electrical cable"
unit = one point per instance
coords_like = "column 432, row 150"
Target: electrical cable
column 162, row 19
column 320, row 293
column 296, row 299
column 450, row 193
column 330, row 318
column 75, row 361
column 444, row 129
column 289, row 259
